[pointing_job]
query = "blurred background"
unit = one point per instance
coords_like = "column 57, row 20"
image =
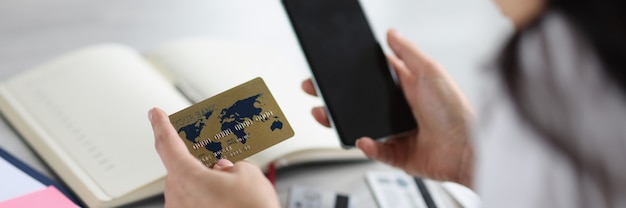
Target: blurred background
column 457, row 33
column 462, row 35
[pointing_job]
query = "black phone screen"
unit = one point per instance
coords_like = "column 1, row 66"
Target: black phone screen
column 349, row 69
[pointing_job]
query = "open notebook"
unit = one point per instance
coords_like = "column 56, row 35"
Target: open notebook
column 85, row 112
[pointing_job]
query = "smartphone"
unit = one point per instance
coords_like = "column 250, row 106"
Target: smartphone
column 350, row 70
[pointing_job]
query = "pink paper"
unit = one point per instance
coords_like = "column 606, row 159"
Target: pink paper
column 48, row 197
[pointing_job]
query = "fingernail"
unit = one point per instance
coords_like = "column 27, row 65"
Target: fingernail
column 150, row 114
column 222, row 163
column 358, row 143
column 397, row 33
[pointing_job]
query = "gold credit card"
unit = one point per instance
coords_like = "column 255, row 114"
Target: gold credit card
column 233, row 125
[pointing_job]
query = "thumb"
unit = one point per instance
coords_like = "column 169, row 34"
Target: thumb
column 168, row 143
column 370, row 148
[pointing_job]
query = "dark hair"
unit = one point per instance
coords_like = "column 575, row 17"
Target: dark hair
column 602, row 23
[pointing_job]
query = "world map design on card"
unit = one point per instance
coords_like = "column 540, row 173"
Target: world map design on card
column 233, row 125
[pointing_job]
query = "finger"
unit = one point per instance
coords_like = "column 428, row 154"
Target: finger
column 406, row 51
column 170, row 147
column 244, row 167
column 405, row 76
column 389, row 152
column 308, row 87
column 369, row 147
column 401, row 69
column 319, row 113
column 223, row 164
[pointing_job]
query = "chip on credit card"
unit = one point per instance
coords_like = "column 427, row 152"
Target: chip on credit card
column 233, row 125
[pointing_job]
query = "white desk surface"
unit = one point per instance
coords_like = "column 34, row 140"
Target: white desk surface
column 460, row 34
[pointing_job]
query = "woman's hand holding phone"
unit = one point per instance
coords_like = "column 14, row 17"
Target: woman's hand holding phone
column 441, row 148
